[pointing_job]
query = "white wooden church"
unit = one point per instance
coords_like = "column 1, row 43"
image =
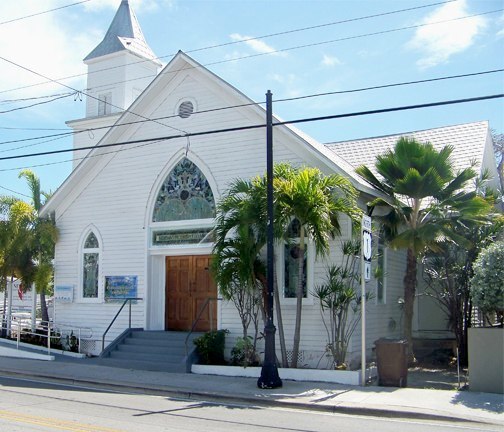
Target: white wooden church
column 136, row 219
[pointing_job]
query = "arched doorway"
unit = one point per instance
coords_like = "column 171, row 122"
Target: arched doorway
column 181, row 225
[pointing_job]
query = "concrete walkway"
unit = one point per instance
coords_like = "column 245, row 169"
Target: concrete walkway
column 380, row 401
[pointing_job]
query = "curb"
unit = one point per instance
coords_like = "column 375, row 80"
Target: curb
column 185, row 393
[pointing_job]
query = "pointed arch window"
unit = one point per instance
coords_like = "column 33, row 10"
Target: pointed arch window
column 91, row 251
column 292, row 255
column 184, row 195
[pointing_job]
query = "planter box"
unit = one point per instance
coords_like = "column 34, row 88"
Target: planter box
column 315, row 375
column 486, row 359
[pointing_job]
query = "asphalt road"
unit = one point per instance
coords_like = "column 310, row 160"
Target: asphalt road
column 27, row 405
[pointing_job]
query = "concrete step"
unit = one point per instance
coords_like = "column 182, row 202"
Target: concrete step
column 154, row 358
column 164, row 343
column 153, row 349
column 162, row 335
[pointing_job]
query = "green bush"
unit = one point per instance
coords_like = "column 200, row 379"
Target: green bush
column 487, row 284
column 243, row 353
column 210, row 347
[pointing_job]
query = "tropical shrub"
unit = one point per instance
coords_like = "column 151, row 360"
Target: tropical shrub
column 244, row 353
column 340, row 302
column 487, row 284
column 210, row 347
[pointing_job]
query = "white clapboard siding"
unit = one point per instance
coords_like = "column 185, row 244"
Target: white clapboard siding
column 116, row 191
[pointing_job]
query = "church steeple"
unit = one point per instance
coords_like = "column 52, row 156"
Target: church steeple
column 124, row 33
column 119, row 69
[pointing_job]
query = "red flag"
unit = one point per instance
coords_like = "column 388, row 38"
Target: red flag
column 20, row 291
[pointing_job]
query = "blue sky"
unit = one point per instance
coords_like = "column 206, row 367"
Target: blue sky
column 55, row 43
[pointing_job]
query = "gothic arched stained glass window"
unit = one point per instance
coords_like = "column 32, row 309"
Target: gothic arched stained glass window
column 185, row 194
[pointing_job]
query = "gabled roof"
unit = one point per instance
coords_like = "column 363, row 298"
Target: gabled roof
column 124, row 33
column 469, row 141
column 179, row 64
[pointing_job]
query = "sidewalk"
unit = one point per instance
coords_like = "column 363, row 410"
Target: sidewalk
column 379, row 401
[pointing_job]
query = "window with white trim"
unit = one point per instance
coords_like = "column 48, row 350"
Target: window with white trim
column 90, row 284
column 104, row 103
column 291, row 258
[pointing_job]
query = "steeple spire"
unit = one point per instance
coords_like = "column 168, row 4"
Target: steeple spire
column 124, row 33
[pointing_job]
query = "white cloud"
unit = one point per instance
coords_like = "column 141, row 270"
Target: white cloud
column 331, row 61
column 439, row 42
column 137, row 5
column 41, row 44
column 256, row 45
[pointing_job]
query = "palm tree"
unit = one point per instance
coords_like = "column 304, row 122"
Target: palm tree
column 238, row 265
column 16, row 242
column 427, row 201
column 314, row 200
column 45, row 235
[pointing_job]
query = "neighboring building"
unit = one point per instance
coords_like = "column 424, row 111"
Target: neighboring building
column 140, row 215
column 471, row 142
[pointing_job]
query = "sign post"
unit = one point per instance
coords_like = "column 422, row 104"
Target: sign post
column 366, row 253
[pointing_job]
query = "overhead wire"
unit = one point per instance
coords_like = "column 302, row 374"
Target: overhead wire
column 281, row 50
column 43, row 12
column 15, row 192
column 255, row 55
column 258, row 126
column 376, row 87
column 244, row 40
column 36, row 104
column 86, row 94
column 11, row 101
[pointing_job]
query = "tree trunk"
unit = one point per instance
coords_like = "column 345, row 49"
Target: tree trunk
column 410, row 281
column 43, row 307
column 281, row 334
column 4, row 316
column 299, row 301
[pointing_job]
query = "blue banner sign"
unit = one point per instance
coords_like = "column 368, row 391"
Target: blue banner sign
column 120, row 287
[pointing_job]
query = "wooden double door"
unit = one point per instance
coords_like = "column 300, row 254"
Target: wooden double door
column 188, row 286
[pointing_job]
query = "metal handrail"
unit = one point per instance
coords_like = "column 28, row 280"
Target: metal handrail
column 195, row 322
column 53, row 329
column 129, row 299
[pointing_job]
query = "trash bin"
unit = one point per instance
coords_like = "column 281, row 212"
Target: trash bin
column 392, row 362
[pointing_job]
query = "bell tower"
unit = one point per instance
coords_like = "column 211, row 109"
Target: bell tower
column 119, row 69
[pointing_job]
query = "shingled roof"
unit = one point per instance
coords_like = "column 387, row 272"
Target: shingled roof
column 124, row 33
column 468, row 140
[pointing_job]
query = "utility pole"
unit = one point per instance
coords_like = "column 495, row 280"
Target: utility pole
column 269, row 378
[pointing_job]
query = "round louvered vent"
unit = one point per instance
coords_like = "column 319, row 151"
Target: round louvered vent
column 185, row 109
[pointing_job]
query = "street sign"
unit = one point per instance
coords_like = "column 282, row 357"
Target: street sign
column 366, row 253
column 367, row 271
column 367, row 250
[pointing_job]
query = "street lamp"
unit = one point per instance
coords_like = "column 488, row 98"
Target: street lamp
column 269, row 378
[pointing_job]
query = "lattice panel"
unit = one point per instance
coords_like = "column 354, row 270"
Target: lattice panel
column 88, row 346
column 301, row 357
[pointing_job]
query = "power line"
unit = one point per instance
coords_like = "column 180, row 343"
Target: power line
column 404, row 83
column 248, row 40
column 31, row 145
column 389, row 85
column 86, row 94
column 31, row 129
column 15, row 192
column 258, row 126
column 10, row 101
column 255, row 55
column 35, row 104
column 43, row 12
column 310, row 45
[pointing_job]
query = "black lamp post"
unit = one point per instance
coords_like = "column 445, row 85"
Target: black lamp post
column 269, row 378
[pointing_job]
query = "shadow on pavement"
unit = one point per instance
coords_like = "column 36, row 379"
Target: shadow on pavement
column 493, row 403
